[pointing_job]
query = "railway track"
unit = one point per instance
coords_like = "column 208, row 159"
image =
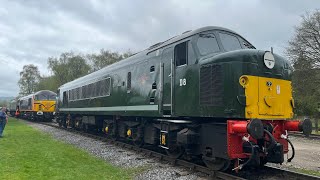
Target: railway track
column 299, row 134
column 267, row 172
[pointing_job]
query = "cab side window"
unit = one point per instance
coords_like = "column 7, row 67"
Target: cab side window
column 181, row 54
column 229, row 42
column 207, row 44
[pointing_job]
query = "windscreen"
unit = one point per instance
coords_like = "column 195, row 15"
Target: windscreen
column 207, row 44
column 45, row 95
column 232, row 42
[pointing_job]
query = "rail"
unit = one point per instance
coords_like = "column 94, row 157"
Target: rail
column 299, row 134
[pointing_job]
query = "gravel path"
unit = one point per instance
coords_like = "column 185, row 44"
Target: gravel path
column 122, row 157
column 307, row 154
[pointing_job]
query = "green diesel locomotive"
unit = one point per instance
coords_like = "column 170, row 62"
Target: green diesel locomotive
column 206, row 94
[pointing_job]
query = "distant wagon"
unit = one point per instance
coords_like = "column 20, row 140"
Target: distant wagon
column 207, row 94
column 12, row 106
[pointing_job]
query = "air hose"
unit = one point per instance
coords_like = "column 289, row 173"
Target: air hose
column 250, row 158
column 273, row 141
column 293, row 151
column 285, row 136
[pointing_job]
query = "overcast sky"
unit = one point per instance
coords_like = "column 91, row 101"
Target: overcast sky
column 33, row 30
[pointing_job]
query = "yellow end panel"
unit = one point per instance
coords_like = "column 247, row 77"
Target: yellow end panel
column 44, row 106
column 267, row 98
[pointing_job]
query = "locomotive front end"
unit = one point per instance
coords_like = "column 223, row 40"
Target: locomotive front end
column 44, row 105
column 265, row 94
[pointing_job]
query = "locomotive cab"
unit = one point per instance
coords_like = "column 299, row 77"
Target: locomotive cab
column 255, row 87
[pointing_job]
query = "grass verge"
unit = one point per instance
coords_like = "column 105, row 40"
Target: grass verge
column 305, row 171
column 26, row 153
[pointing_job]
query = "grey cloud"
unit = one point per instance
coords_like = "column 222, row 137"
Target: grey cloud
column 33, row 30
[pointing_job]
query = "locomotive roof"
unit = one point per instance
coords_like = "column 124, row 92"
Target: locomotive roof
column 26, row 97
column 187, row 34
column 36, row 93
column 44, row 91
column 141, row 56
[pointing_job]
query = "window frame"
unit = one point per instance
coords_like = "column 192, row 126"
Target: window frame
column 92, row 97
column 129, row 74
column 230, row 34
column 187, row 52
column 214, row 33
column 241, row 39
column 65, row 97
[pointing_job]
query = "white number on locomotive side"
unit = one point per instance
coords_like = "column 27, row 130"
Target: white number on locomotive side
column 183, row 82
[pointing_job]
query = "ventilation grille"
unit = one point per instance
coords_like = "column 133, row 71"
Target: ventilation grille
column 211, row 85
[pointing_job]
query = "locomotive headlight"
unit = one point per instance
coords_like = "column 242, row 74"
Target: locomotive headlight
column 243, row 80
column 268, row 59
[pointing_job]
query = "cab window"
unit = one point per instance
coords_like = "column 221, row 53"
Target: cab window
column 45, row 96
column 229, row 42
column 207, row 44
column 181, row 54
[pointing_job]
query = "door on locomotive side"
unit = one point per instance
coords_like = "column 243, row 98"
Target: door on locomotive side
column 65, row 99
column 180, row 80
column 186, row 79
column 167, row 74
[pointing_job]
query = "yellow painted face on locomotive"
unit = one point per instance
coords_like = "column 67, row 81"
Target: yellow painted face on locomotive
column 45, row 105
column 267, row 98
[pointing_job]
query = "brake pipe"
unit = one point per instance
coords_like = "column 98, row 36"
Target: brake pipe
column 239, row 167
column 285, row 136
column 273, row 141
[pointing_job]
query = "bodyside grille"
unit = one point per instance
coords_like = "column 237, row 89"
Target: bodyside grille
column 211, row 85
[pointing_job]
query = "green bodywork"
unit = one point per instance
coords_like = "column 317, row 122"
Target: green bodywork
column 177, row 90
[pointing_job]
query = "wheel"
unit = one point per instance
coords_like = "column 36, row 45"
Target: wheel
column 175, row 151
column 217, row 164
column 110, row 131
column 137, row 137
column 64, row 123
column 85, row 127
column 263, row 161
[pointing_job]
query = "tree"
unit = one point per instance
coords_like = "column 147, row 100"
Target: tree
column 105, row 58
column 306, row 40
column 304, row 53
column 47, row 83
column 68, row 67
column 3, row 103
column 29, row 78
